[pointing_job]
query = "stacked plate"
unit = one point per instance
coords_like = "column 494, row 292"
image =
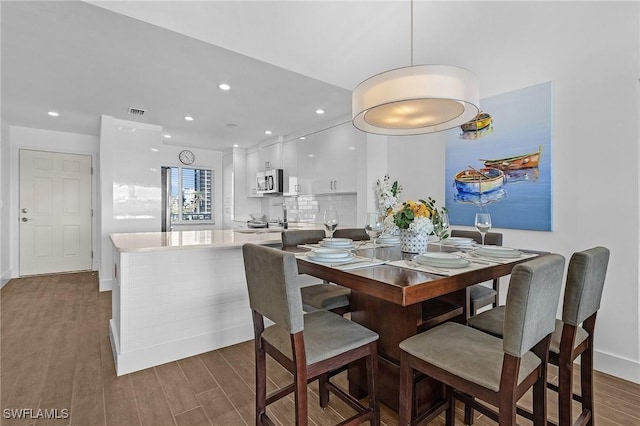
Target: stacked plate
column 338, row 243
column 388, row 239
column 498, row 252
column 442, row 260
column 459, row 242
column 329, row 255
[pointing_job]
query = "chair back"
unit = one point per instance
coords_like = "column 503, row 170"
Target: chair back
column 532, row 303
column 490, row 238
column 273, row 287
column 293, row 237
column 356, row 234
column 585, row 281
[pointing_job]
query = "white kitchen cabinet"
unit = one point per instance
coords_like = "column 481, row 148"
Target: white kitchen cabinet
column 271, row 156
column 327, row 160
column 290, row 167
column 254, row 165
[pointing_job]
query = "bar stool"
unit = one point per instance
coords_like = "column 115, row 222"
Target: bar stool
column 310, row 346
column 583, row 292
column 480, row 295
column 330, row 297
column 472, row 364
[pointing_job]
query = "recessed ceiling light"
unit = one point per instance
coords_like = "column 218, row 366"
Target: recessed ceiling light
column 224, row 86
column 267, row 132
column 53, row 113
column 188, row 118
column 167, row 136
column 319, row 111
column 235, row 145
column 302, row 138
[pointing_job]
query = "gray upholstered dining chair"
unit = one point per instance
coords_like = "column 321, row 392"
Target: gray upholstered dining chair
column 310, row 346
column 330, row 297
column 472, row 364
column 356, row 234
column 480, row 295
column 573, row 335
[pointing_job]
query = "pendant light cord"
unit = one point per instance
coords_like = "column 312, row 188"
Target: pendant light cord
column 411, row 26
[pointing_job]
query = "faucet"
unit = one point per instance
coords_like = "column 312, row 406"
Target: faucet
column 283, row 223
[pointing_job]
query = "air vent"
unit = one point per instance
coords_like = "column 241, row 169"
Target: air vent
column 136, row 111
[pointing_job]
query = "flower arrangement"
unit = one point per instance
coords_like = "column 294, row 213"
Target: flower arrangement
column 422, row 216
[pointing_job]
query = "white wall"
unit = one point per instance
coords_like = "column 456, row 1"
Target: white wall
column 45, row 140
column 5, row 190
column 592, row 58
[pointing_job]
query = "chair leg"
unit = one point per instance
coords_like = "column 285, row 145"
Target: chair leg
column 450, row 416
column 540, row 397
column 565, row 375
column 372, row 368
column 496, row 288
column 261, row 384
column 406, row 390
column 468, row 413
column 586, row 372
column 323, row 390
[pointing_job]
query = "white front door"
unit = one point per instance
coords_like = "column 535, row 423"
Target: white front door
column 55, row 212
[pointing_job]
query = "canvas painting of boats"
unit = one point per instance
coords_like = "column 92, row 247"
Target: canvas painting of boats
column 507, row 170
column 524, row 161
column 481, row 121
column 473, row 181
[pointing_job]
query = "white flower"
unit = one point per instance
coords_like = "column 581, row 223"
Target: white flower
column 421, row 225
column 387, row 193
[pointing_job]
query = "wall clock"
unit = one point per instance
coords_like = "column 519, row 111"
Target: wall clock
column 186, row 157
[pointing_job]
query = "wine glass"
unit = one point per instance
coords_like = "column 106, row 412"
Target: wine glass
column 374, row 225
column 443, row 227
column 483, row 224
column 331, row 220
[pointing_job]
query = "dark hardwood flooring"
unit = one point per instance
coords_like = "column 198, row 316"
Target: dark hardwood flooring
column 55, row 355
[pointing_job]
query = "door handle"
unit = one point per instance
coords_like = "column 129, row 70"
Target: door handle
column 25, row 210
column 25, row 219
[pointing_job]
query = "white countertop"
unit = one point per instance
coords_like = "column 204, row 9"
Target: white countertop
column 180, row 240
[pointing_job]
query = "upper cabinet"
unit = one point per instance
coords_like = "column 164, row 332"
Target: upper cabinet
column 327, row 160
column 271, row 156
column 322, row 163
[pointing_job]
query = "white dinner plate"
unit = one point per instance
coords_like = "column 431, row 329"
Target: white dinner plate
column 350, row 256
column 459, row 241
column 338, row 240
column 388, row 240
column 337, row 245
column 498, row 251
column 442, row 260
column 331, row 253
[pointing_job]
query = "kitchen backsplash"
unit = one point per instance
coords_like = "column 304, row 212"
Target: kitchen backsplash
column 310, row 208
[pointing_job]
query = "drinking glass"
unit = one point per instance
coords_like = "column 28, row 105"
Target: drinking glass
column 331, row 220
column 483, row 224
column 443, row 227
column 374, row 225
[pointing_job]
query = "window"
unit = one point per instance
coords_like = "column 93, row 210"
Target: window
column 191, row 194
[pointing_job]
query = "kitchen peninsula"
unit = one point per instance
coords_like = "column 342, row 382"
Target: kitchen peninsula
column 178, row 294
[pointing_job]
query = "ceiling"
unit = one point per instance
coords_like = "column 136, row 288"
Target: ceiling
column 283, row 59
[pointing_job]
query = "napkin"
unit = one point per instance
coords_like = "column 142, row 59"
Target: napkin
column 357, row 263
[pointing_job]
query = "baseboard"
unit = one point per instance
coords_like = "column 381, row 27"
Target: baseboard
column 106, row 285
column 4, row 278
column 179, row 349
column 613, row 365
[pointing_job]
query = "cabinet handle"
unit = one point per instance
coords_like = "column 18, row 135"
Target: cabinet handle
column 335, row 184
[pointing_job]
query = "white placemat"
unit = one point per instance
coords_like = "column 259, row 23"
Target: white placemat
column 476, row 263
column 357, row 263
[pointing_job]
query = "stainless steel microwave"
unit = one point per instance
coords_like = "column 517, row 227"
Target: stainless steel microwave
column 269, row 182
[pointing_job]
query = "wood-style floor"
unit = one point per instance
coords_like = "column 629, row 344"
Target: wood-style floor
column 55, row 354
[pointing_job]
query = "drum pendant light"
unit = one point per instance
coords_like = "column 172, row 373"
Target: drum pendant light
column 416, row 99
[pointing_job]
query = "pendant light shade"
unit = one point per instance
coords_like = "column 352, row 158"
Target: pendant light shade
column 415, row 100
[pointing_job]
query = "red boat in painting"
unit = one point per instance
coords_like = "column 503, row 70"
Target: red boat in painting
column 524, row 161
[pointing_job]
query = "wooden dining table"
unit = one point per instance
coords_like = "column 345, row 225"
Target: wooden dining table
column 398, row 303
